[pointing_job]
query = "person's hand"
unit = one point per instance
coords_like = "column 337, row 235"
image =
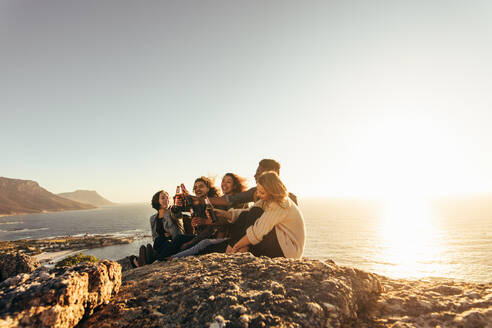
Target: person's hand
column 237, row 249
column 196, row 221
column 183, row 189
column 194, row 199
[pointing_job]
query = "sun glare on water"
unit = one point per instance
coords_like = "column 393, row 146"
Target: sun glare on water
column 409, row 242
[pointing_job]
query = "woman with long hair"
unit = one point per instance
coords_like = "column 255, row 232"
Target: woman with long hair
column 203, row 187
column 167, row 232
column 231, row 184
column 278, row 232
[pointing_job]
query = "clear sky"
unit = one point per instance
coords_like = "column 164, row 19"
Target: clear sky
column 351, row 97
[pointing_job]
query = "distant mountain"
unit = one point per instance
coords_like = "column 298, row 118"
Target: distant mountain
column 86, row 196
column 26, row 196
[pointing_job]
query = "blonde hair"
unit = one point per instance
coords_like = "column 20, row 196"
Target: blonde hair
column 272, row 184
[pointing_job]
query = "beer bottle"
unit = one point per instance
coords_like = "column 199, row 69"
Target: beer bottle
column 177, row 197
column 210, row 210
column 187, row 202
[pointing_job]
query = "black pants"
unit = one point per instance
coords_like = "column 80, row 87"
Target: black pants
column 243, row 222
column 269, row 245
column 165, row 247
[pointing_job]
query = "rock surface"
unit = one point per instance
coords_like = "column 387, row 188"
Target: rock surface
column 57, row 297
column 433, row 302
column 221, row 290
column 240, row 290
column 12, row 264
column 125, row 264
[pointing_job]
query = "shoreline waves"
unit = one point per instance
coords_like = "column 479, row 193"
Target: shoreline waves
column 54, row 247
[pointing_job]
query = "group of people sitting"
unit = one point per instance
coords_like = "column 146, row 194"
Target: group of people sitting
column 273, row 226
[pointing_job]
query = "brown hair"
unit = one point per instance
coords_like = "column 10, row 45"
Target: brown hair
column 155, row 199
column 212, row 190
column 270, row 165
column 273, row 186
column 238, row 183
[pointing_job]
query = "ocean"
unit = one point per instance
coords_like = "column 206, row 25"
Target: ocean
column 402, row 245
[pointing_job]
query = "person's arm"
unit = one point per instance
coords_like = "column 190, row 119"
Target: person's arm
column 175, row 218
column 175, row 213
column 293, row 198
column 243, row 242
column 267, row 221
column 172, row 225
column 153, row 229
column 219, row 201
column 234, row 199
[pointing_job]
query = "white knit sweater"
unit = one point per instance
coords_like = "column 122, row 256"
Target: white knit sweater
column 288, row 222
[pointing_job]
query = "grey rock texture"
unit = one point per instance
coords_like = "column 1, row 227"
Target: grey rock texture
column 57, row 297
column 11, row 264
column 432, row 302
column 125, row 264
column 240, row 290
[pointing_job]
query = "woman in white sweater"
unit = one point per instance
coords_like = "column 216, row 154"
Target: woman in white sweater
column 278, row 232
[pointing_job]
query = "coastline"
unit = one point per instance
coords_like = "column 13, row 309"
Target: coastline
column 52, row 257
column 51, row 248
column 48, row 211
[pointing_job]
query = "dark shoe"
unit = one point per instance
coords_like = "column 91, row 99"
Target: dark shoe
column 149, row 254
column 141, row 256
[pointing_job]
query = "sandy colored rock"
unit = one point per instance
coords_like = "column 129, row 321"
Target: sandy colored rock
column 11, row 264
column 433, row 302
column 240, row 290
column 57, row 297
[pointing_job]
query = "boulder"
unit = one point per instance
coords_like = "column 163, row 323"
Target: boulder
column 432, row 302
column 125, row 263
column 57, row 297
column 240, row 290
column 11, row 264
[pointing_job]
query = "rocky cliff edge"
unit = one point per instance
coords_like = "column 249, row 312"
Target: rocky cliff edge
column 240, row 290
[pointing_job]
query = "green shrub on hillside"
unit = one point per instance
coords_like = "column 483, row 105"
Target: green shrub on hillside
column 76, row 259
